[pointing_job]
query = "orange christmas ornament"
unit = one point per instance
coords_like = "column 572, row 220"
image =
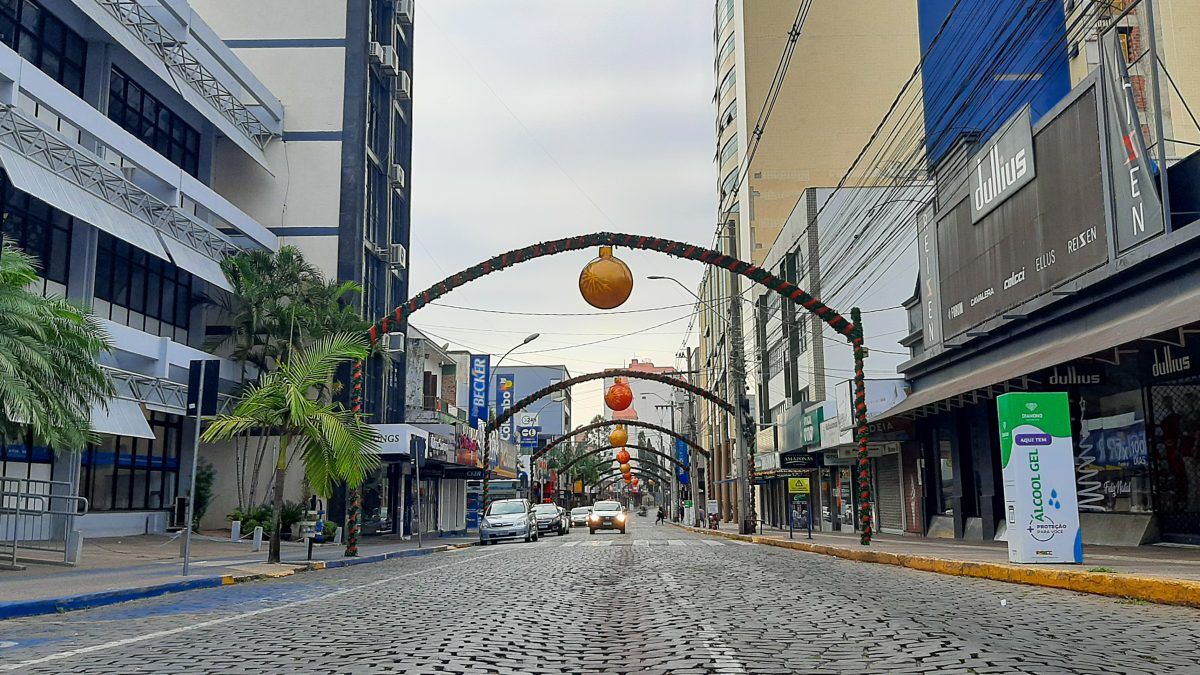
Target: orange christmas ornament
column 623, row 456
column 618, row 437
column 606, row 282
column 628, row 477
column 634, row 482
column 619, row 396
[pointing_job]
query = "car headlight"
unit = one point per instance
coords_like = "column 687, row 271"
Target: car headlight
column 621, row 517
column 593, row 517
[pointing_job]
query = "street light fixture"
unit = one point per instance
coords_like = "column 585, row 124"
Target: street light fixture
column 496, row 368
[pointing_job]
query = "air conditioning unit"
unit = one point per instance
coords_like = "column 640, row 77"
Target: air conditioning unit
column 392, row 344
column 375, row 52
column 396, row 176
column 390, row 61
column 404, row 85
column 404, row 11
column 398, row 257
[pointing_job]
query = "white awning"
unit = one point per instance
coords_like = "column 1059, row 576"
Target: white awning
column 123, row 418
column 30, row 177
column 197, row 263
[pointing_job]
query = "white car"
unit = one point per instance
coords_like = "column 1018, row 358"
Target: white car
column 579, row 515
column 607, row 516
column 508, row 519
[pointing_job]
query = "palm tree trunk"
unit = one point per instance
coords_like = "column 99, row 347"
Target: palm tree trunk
column 277, row 502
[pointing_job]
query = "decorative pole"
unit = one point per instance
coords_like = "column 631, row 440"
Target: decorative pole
column 352, row 510
column 860, row 413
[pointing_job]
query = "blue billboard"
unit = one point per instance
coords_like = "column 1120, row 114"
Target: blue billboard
column 506, row 390
column 480, row 364
column 681, row 454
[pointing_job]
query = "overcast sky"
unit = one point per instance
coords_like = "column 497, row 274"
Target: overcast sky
column 539, row 119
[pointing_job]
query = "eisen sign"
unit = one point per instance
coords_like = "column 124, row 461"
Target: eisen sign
column 1003, row 166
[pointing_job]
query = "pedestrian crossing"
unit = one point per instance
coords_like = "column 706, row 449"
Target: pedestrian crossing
column 599, row 543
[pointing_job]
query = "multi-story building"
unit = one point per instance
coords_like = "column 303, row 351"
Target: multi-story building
column 338, row 186
column 850, row 59
column 116, row 120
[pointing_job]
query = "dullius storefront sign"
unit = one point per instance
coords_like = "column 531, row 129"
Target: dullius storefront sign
column 1038, row 460
column 1003, row 166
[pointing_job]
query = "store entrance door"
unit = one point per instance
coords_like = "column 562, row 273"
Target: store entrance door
column 1176, row 432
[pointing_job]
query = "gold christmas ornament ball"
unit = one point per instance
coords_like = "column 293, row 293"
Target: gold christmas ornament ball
column 618, row 437
column 606, row 282
column 624, row 468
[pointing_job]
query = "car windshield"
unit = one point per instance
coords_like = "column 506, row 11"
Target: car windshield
column 546, row 509
column 505, row 508
column 606, row 506
column 580, row 510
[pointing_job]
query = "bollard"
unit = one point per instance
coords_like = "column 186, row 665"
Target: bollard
column 257, row 540
column 235, row 530
column 74, row 547
column 337, row 536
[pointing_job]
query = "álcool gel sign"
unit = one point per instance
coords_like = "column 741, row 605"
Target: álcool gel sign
column 1003, row 166
column 1038, row 460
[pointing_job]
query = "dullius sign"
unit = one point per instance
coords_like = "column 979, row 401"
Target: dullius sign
column 1038, row 459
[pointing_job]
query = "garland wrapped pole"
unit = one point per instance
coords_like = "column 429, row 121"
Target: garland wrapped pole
column 860, row 414
column 355, row 505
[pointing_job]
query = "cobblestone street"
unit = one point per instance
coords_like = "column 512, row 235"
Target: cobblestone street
column 656, row 600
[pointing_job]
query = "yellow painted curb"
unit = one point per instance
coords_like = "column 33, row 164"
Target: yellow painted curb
column 1151, row 589
column 227, row 580
column 318, row 565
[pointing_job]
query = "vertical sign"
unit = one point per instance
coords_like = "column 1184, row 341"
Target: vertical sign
column 479, row 388
column 506, row 389
column 681, row 454
column 208, row 371
column 1139, row 213
column 1038, row 460
column 931, row 294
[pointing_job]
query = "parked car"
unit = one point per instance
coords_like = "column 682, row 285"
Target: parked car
column 508, row 519
column 552, row 518
column 606, row 516
column 579, row 515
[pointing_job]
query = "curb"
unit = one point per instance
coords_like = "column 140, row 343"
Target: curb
column 70, row 603
column 1159, row 590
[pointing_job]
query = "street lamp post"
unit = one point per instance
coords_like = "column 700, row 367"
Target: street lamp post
column 487, row 396
column 674, row 474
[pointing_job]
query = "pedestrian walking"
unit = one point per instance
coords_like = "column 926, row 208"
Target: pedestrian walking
column 662, row 516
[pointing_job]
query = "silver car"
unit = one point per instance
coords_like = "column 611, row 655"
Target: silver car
column 607, row 515
column 552, row 518
column 508, row 519
column 579, row 515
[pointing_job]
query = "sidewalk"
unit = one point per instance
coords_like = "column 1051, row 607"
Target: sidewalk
column 1165, row 574
column 126, row 568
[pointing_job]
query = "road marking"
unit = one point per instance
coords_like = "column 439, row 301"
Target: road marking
column 709, row 542
column 641, row 542
column 570, row 543
column 227, row 619
column 601, row 543
column 676, row 542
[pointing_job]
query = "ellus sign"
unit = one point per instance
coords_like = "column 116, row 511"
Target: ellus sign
column 1037, row 455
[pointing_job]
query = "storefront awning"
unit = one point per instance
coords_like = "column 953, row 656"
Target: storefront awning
column 1106, row 334
column 122, row 418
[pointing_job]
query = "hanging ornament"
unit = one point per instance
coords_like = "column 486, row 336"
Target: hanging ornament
column 606, row 282
column 628, row 477
column 625, row 467
column 634, row 482
column 618, row 437
column 623, row 456
column 619, row 396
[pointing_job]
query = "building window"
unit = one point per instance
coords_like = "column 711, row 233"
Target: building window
column 727, row 83
column 378, row 114
column 726, row 49
column 41, row 39
column 377, row 205
column 133, row 474
column 775, row 359
column 728, row 183
column 729, row 150
column 141, row 291
column 146, row 117
column 725, row 12
column 729, row 114
column 40, row 230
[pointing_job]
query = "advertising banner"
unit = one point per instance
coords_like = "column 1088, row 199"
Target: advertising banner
column 480, row 365
column 506, row 390
column 1038, row 460
column 1138, row 210
column 528, row 436
column 681, row 454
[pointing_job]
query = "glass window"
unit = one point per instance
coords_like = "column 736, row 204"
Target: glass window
column 727, row 82
column 728, row 183
column 122, row 473
column 40, row 38
column 946, row 474
column 146, row 117
column 729, row 150
column 142, row 291
column 726, row 49
column 38, row 229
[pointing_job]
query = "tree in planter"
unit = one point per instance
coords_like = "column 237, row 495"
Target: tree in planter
column 333, row 443
column 205, row 476
column 49, row 377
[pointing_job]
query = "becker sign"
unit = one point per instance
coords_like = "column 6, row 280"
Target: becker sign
column 1003, row 166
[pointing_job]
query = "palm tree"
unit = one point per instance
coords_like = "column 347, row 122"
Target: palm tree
column 49, row 377
column 335, row 444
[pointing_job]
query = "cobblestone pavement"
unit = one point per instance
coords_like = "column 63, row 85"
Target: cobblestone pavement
column 656, row 600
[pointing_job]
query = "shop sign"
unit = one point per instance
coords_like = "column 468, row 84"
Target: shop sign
column 1003, row 166
column 479, row 388
column 831, row 434
column 1049, row 231
column 467, row 447
column 799, row 459
column 811, row 429
column 506, row 383
column 463, row 473
column 1038, row 462
column 1137, row 209
column 395, row 439
column 798, row 485
column 873, row 450
column 766, row 461
column 712, row 506
column 1069, row 376
column 881, row 395
column 1170, row 361
column 528, row 436
column 441, row 448
column 931, row 294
